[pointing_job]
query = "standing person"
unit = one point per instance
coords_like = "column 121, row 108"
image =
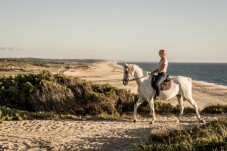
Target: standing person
column 160, row 72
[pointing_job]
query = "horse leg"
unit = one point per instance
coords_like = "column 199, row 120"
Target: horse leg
column 181, row 106
column 194, row 104
column 139, row 101
column 151, row 105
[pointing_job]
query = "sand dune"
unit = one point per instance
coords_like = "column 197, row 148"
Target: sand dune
column 101, row 135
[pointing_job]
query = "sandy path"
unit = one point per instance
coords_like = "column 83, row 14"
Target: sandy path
column 83, row 135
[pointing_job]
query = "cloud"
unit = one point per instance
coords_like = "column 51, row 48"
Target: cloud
column 3, row 48
column 10, row 49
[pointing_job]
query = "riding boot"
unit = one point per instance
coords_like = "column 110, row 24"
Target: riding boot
column 157, row 93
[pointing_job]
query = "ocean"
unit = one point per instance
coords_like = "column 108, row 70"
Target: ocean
column 207, row 72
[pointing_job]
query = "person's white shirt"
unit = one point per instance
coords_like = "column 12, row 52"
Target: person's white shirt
column 163, row 64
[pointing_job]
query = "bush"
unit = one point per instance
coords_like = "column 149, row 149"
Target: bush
column 215, row 109
column 212, row 136
column 61, row 94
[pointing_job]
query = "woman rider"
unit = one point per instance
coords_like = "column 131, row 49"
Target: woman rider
column 160, row 72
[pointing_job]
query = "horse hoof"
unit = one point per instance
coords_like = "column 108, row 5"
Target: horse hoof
column 178, row 121
column 152, row 122
column 202, row 120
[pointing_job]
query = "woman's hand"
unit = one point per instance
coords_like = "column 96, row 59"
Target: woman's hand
column 154, row 73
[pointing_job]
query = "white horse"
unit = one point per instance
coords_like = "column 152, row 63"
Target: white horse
column 181, row 87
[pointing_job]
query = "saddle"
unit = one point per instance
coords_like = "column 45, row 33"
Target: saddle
column 165, row 85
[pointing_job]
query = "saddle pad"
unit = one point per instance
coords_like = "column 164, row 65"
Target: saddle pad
column 165, row 85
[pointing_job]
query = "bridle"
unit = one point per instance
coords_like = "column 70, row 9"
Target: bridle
column 126, row 72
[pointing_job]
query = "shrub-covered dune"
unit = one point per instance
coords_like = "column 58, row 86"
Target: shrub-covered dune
column 61, row 94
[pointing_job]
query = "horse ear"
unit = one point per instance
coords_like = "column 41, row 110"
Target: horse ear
column 126, row 64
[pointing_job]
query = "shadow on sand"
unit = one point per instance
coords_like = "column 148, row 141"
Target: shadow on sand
column 129, row 140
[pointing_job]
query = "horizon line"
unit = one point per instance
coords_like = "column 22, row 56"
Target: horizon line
column 118, row 61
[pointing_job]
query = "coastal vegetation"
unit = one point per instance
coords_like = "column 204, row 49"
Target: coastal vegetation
column 46, row 92
column 209, row 137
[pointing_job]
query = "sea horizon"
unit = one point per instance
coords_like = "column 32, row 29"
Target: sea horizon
column 118, row 61
column 169, row 62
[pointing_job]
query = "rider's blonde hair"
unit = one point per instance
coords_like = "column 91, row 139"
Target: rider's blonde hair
column 162, row 52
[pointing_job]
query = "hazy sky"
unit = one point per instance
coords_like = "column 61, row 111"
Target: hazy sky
column 129, row 30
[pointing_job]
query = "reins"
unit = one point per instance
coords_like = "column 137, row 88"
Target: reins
column 137, row 78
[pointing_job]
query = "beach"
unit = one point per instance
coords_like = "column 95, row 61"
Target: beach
column 121, row 134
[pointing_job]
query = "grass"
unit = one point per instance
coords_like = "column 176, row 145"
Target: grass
column 209, row 137
column 7, row 114
column 215, row 109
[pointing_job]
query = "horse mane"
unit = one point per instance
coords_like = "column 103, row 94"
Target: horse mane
column 134, row 66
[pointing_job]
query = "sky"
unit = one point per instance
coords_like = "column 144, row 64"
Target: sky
column 121, row 30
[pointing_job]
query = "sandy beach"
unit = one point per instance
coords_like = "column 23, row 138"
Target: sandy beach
column 109, row 135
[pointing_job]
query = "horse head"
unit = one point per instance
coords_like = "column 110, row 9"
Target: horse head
column 128, row 71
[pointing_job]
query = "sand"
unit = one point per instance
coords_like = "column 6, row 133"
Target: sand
column 103, row 135
column 109, row 135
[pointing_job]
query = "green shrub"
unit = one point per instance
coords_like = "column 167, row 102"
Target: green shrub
column 215, row 109
column 7, row 114
column 212, row 136
column 61, row 94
